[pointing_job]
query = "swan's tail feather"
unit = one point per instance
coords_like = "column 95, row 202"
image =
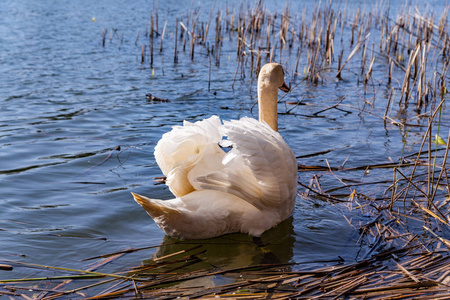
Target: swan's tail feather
column 154, row 207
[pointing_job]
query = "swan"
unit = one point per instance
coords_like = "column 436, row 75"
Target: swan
column 249, row 189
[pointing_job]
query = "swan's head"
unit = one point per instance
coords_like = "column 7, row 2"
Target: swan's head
column 272, row 75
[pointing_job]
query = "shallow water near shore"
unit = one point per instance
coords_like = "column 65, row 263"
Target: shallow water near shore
column 77, row 136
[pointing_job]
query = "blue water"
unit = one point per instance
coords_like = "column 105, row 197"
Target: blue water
column 77, row 135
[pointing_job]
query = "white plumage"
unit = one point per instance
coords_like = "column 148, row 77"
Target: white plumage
column 250, row 189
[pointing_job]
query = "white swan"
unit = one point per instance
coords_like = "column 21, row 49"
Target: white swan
column 250, row 189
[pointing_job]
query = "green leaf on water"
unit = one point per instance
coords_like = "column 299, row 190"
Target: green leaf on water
column 438, row 140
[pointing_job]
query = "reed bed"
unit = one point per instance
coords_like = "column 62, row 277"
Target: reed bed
column 408, row 51
column 405, row 269
column 404, row 244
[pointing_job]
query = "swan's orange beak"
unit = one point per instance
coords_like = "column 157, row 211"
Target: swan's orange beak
column 284, row 87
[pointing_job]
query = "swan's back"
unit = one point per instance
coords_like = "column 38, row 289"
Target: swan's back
column 259, row 169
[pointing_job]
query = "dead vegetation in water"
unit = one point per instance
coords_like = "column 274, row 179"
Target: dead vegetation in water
column 405, row 268
column 407, row 53
column 404, row 242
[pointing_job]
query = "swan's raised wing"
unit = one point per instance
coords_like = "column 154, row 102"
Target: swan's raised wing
column 185, row 147
column 260, row 168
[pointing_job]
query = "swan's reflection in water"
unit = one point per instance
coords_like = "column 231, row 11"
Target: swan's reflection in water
column 232, row 251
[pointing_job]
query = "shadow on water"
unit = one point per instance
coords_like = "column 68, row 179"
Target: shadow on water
column 225, row 253
column 239, row 250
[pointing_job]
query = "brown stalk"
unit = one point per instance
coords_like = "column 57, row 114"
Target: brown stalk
column 422, row 144
column 369, row 72
column 103, row 36
column 443, row 168
column 442, row 218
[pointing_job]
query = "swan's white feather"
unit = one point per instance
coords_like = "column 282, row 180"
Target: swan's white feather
column 249, row 189
column 261, row 168
column 184, row 147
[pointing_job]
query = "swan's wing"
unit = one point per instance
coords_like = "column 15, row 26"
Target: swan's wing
column 181, row 149
column 261, row 168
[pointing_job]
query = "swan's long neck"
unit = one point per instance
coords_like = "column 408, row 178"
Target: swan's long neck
column 267, row 103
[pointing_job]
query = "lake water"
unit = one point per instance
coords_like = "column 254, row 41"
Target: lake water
column 77, row 134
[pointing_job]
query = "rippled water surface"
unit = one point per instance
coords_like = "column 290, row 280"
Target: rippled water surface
column 77, row 135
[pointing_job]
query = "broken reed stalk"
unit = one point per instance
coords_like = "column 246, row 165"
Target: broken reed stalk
column 151, row 41
column 209, row 71
column 369, row 72
column 162, row 36
column 192, row 40
column 151, row 55
column 175, row 52
column 218, row 39
column 363, row 59
column 68, row 270
column 137, row 37
column 103, row 36
column 74, row 277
